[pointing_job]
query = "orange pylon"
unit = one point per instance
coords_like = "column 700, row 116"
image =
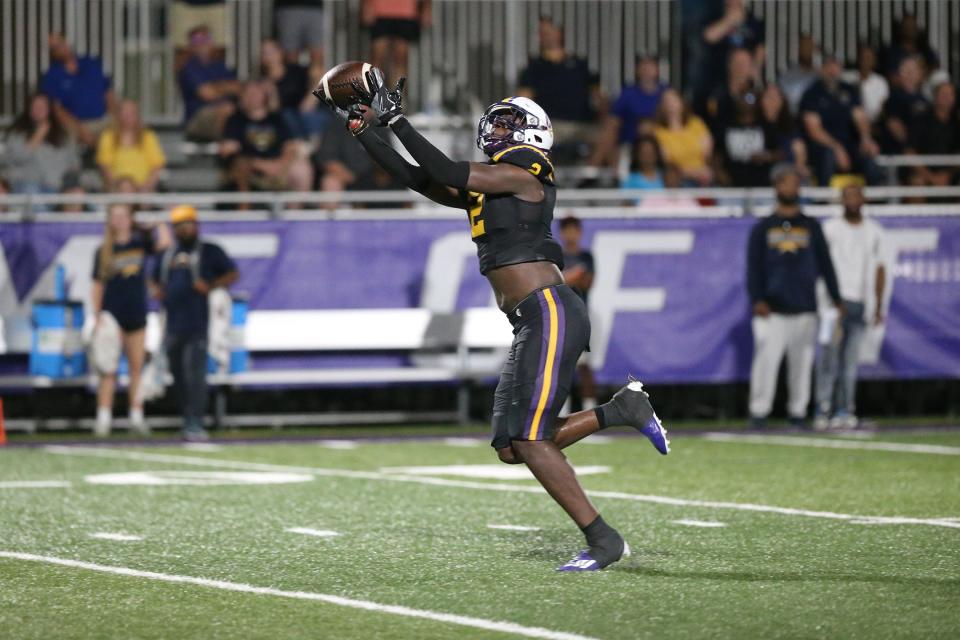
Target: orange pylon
column 3, row 433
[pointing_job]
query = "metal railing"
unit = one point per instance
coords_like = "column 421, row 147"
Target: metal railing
column 471, row 55
column 367, row 205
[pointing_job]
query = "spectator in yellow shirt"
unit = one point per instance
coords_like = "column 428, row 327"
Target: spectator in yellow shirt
column 129, row 150
column 684, row 139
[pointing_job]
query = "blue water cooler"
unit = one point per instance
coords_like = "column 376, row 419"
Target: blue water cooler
column 239, row 357
column 57, row 346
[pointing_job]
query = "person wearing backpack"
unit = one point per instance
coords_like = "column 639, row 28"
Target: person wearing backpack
column 183, row 277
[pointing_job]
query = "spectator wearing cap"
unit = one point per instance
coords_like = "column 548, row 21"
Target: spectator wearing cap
column 183, row 277
column 79, row 89
column 565, row 87
column 837, row 128
column 130, row 150
column 786, row 253
column 259, row 147
column 905, row 106
column 208, row 89
column 632, row 112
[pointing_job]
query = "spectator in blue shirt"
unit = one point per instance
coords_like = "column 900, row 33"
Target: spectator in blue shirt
column 183, row 277
column 79, row 89
column 646, row 166
column 208, row 89
column 632, row 113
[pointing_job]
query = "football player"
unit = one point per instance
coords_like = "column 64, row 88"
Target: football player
column 509, row 202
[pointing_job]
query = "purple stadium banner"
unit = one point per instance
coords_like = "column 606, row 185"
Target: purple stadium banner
column 668, row 302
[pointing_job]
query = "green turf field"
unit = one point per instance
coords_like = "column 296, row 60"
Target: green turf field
column 731, row 539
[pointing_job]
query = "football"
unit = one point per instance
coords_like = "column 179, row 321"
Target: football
column 335, row 86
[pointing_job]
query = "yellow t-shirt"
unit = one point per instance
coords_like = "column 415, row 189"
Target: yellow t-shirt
column 135, row 162
column 683, row 147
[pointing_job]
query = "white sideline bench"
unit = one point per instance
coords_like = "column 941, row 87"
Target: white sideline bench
column 371, row 330
column 445, row 342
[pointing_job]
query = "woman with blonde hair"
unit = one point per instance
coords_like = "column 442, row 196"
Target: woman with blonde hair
column 684, row 139
column 119, row 302
column 130, row 150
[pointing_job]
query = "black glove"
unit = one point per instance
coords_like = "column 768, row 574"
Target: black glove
column 386, row 104
column 352, row 116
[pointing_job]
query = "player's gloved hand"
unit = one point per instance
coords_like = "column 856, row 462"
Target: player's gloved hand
column 387, row 104
column 352, row 116
column 356, row 122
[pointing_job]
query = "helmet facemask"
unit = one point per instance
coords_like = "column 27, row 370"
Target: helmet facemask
column 513, row 120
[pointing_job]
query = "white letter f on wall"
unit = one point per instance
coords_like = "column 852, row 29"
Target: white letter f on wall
column 611, row 249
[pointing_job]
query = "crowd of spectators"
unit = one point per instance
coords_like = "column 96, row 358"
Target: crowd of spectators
column 727, row 127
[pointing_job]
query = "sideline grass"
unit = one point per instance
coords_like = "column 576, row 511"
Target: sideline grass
column 428, row 547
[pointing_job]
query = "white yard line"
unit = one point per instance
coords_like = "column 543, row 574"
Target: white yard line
column 319, row 533
column 34, row 484
column 462, row 442
column 831, row 443
column 338, row 444
column 202, row 447
column 598, row 439
column 117, row 537
column 436, row 616
column 512, row 527
column 706, row 524
column 489, row 486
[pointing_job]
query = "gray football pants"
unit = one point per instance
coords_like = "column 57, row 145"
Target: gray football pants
column 778, row 334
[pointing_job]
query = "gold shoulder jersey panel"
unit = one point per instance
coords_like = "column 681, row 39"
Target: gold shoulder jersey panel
column 528, row 157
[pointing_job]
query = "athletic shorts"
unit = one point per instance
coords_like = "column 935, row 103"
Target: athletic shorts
column 408, row 30
column 299, row 28
column 551, row 329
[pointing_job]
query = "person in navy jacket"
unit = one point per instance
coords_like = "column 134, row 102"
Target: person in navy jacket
column 786, row 255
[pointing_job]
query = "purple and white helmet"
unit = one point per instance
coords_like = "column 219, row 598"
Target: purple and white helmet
column 524, row 119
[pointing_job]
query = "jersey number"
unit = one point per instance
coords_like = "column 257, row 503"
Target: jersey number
column 476, row 215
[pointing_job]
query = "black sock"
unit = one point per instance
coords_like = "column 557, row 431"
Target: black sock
column 609, row 415
column 601, row 418
column 598, row 530
column 606, row 545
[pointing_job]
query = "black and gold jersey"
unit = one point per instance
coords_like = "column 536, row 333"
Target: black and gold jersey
column 509, row 230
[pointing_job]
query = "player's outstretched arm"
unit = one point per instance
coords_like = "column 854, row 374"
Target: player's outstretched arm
column 462, row 175
column 411, row 176
column 470, row 176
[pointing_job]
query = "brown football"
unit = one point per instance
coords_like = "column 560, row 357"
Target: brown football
column 335, row 86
